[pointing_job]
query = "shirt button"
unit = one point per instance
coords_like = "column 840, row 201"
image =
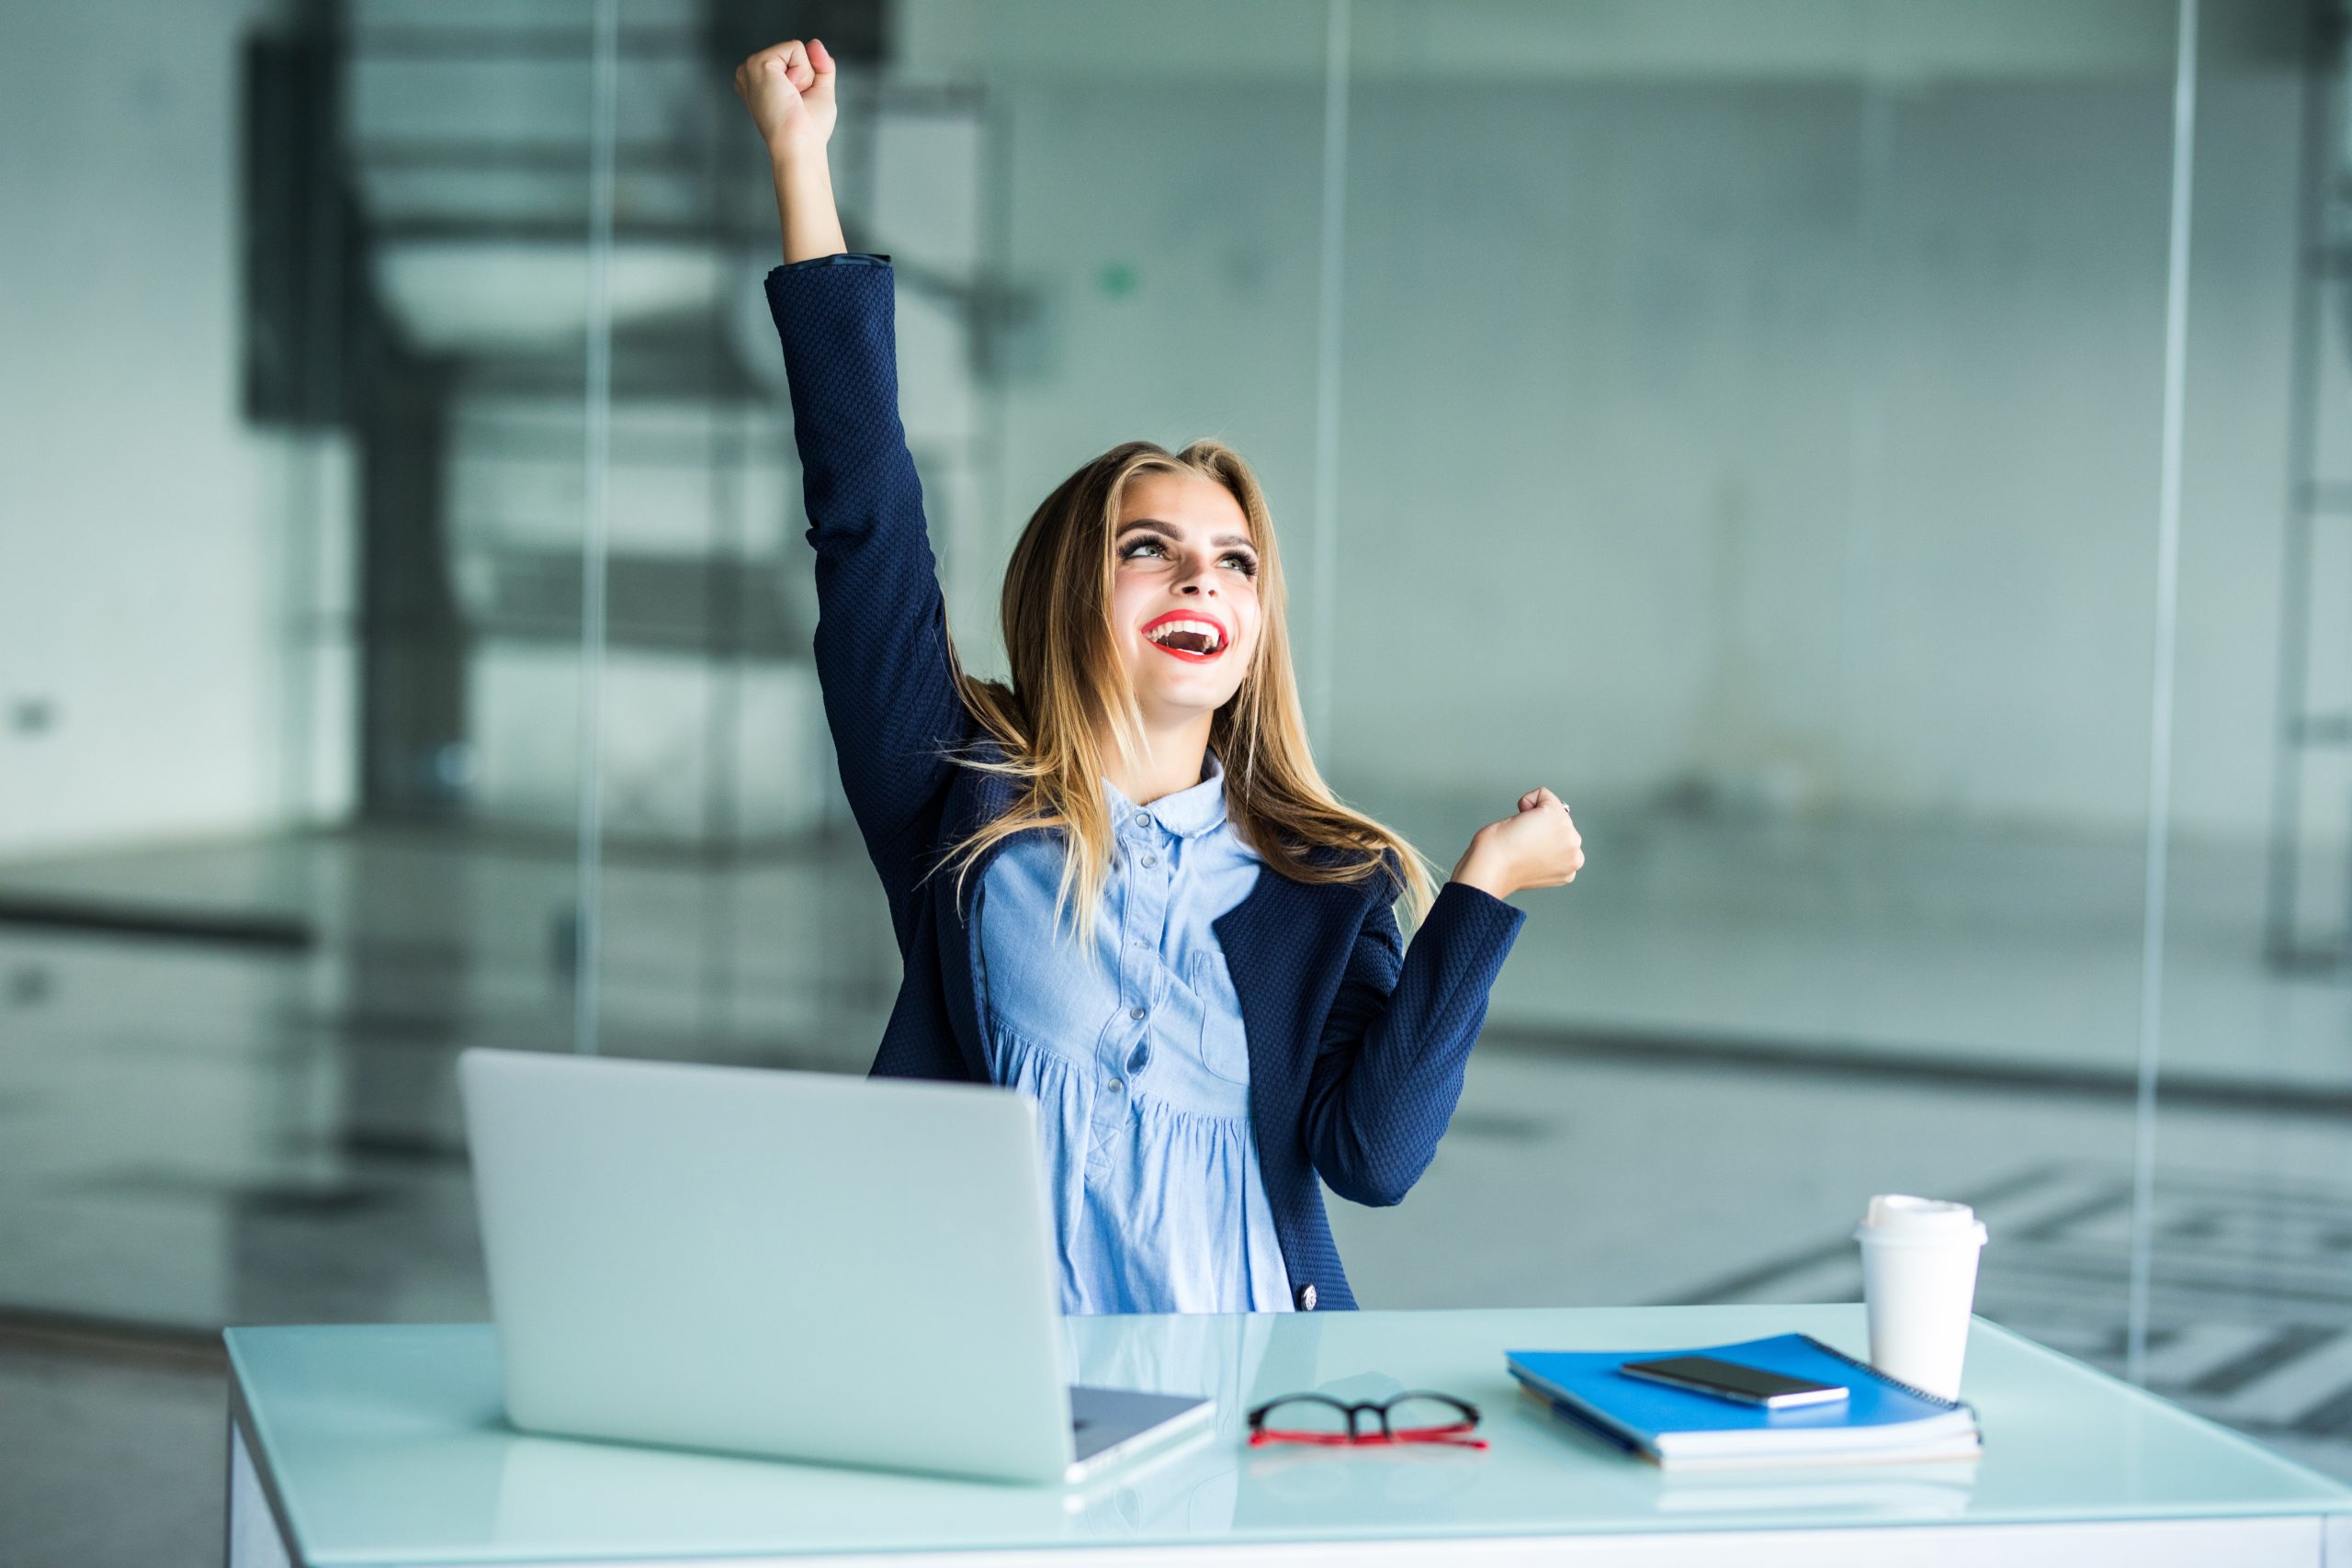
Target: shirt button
column 1151, row 859
column 1135, row 1013
column 1115, row 1086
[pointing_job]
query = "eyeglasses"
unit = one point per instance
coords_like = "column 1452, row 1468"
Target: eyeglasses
column 1415, row 1418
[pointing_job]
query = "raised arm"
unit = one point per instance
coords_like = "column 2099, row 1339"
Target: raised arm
column 882, row 649
column 790, row 90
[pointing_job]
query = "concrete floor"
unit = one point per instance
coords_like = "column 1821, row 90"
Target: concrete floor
column 195, row 1134
column 116, row 1452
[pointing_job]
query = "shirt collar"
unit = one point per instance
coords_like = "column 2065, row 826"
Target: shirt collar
column 1187, row 812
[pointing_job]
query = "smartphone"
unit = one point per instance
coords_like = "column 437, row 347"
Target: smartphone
column 1728, row 1380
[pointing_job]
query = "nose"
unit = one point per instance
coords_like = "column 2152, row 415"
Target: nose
column 1202, row 581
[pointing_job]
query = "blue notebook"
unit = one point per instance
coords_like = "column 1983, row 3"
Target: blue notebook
column 1882, row 1420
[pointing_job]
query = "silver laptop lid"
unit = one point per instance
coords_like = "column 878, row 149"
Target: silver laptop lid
column 796, row 1264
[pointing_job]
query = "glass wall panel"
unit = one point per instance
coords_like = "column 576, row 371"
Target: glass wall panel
column 292, row 641
column 1074, row 267
column 2251, row 1221
column 740, row 918
column 1752, row 432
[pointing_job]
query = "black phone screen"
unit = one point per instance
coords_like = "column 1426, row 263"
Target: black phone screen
column 1706, row 1373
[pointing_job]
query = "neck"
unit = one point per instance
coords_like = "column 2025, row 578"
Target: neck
column 1173, row 759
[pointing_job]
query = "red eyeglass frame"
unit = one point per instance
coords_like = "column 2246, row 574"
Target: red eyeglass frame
column 1454, row 1436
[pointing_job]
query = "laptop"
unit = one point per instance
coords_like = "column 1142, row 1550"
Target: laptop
column 797, row 1265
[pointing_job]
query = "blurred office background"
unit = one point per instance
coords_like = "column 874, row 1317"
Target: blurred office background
column 1885, row 463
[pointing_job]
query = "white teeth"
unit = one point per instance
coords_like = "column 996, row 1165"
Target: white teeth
column 1200, row 628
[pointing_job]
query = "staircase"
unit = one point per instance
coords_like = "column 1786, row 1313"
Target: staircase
column 466, row 141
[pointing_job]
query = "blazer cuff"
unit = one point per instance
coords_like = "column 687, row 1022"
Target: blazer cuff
column 1476, row 915
column 839, row 258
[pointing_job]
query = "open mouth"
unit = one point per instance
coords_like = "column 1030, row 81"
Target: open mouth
column 1187, row 634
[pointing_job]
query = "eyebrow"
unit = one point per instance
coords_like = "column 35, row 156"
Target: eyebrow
column 1168, row 531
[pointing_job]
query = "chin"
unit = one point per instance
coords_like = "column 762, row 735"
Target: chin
column 1186, row 700
column 1188, row 704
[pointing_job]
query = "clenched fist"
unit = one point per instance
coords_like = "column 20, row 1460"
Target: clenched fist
column 790, row 90
column 1536, row 847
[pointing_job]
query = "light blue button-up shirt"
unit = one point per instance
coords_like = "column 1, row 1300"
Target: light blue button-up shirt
column 1130, row 1040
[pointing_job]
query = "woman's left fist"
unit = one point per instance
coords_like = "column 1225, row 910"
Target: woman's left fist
column 1537, row 846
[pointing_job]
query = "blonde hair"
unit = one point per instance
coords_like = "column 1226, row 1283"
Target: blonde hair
column 1070, row 693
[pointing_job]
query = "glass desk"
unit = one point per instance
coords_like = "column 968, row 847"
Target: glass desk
column 390, row 1446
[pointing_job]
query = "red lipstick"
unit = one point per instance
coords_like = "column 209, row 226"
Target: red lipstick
column 1190, row 640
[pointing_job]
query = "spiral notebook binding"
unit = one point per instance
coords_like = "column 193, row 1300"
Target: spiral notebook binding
column 1912, row 1388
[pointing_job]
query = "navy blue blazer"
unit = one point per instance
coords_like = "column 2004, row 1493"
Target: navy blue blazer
column 1357, row 1041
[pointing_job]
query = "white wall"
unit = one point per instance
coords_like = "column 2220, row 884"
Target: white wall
column 1169, row 235
column 146, row 533
column 1673, row 442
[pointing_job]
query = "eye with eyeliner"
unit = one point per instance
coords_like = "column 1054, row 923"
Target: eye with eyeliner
column 1245, row 564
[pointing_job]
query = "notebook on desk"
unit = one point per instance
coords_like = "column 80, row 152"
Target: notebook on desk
column 1884, row 1421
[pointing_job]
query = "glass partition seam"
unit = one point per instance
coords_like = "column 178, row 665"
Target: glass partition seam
column 2152, row 933
column 992, row 320
column 2320, row 132
column 1861, row 557
column 311, row 627
column 1323, row 570
column 596, row 451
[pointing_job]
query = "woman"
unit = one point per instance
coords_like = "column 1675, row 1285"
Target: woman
column 1119, row 884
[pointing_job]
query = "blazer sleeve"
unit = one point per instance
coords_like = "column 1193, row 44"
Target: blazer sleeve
column 881, row 643
column 1397, row 1040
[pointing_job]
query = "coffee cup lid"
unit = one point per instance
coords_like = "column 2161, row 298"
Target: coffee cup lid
column 1898, row 1217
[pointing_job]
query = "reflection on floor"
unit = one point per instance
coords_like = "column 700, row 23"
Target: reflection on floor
column 193, row 1134
column 1991, row 947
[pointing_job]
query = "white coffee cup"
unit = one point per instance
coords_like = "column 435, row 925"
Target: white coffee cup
column 1919, row 1283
